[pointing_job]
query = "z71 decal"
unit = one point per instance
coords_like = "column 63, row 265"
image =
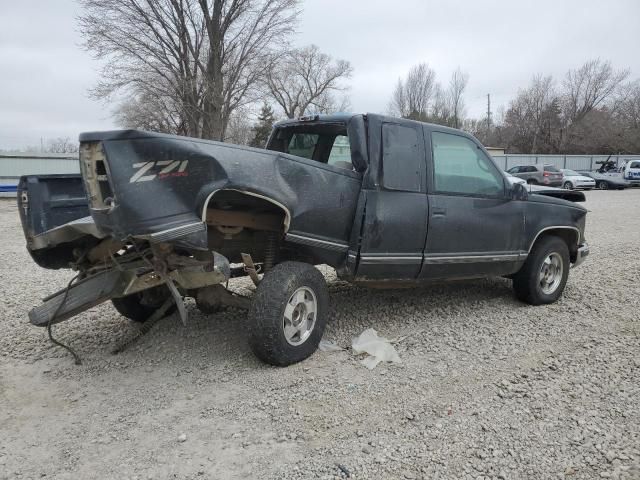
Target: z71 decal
column 147, row 170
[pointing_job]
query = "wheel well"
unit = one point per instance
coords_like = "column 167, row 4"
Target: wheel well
column 241, row 222
column 241, row 201
column 568, row 235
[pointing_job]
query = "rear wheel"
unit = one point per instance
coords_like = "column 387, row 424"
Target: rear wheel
column 602, row 185
column 140, row 306
column 567, row 186
column 544, row 275
column 288, row 314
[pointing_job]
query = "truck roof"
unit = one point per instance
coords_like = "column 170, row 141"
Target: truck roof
column 332, row 117
column 345, row 117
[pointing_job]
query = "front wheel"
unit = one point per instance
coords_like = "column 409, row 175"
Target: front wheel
column 544, row 275
column 567, row 186
column 288, row 314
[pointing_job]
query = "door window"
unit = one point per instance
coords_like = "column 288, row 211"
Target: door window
column 460, row 167
column 402, row 158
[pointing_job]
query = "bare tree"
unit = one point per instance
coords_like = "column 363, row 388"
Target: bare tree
column 588, row 87
column 199, row 60
column 441, row 107
column 532, row 122
column 627, row 105
column 398, row 104
column 240, row 128
column 151, row 112
column 412, row 96
column 62, row 145
column 305, row 79
column 538, row 99
column 447, row 106
column 457, row 86
column 339, row 102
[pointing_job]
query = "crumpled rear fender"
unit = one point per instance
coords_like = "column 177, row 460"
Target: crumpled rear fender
column 160, row 185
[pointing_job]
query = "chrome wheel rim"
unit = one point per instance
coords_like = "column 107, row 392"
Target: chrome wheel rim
column 551, row 273
column 567, row 186
column 299, row 316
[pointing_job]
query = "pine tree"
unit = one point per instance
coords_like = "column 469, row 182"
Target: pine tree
column 262, row 130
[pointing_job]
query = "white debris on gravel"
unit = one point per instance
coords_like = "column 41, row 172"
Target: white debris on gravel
column 489, row 388
column 329, row 346
column 378, row 349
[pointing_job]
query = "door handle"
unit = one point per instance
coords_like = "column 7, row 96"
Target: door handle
column 439, row 212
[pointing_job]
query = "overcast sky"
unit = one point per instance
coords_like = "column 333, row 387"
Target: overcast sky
column 45, row 75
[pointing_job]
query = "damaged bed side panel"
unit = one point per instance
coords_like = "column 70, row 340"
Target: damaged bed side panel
column 161, row 185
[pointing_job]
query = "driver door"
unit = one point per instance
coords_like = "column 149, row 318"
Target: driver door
column 475, row 228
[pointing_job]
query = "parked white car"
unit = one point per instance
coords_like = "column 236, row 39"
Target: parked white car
column 573, row 180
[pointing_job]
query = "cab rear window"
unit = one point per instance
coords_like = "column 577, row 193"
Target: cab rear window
column 327, row 144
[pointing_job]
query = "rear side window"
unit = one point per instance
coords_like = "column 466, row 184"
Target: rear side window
column 321, row 143
column 460, row 167
column 303, row 144
column 551, row 168
column 402, row 158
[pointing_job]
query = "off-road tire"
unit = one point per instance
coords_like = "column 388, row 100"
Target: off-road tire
column 266, row 314
column 526, row 283
column 138, row 307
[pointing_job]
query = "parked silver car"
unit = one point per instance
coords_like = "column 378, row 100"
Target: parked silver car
column 538, row 174
column 607, row 182
column 574, row 180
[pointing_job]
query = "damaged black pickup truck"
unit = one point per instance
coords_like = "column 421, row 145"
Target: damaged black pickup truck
column 154, row 218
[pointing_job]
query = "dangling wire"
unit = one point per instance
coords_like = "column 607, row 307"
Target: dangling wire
column 78, row 361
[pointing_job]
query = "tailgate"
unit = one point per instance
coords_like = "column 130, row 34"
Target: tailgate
column 46, row 202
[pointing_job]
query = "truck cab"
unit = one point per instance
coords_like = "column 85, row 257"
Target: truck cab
column 432, row 204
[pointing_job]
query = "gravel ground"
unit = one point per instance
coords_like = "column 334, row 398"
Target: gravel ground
column 488, row 387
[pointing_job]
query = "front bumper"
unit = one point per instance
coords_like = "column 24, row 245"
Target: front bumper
column 583, row 252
